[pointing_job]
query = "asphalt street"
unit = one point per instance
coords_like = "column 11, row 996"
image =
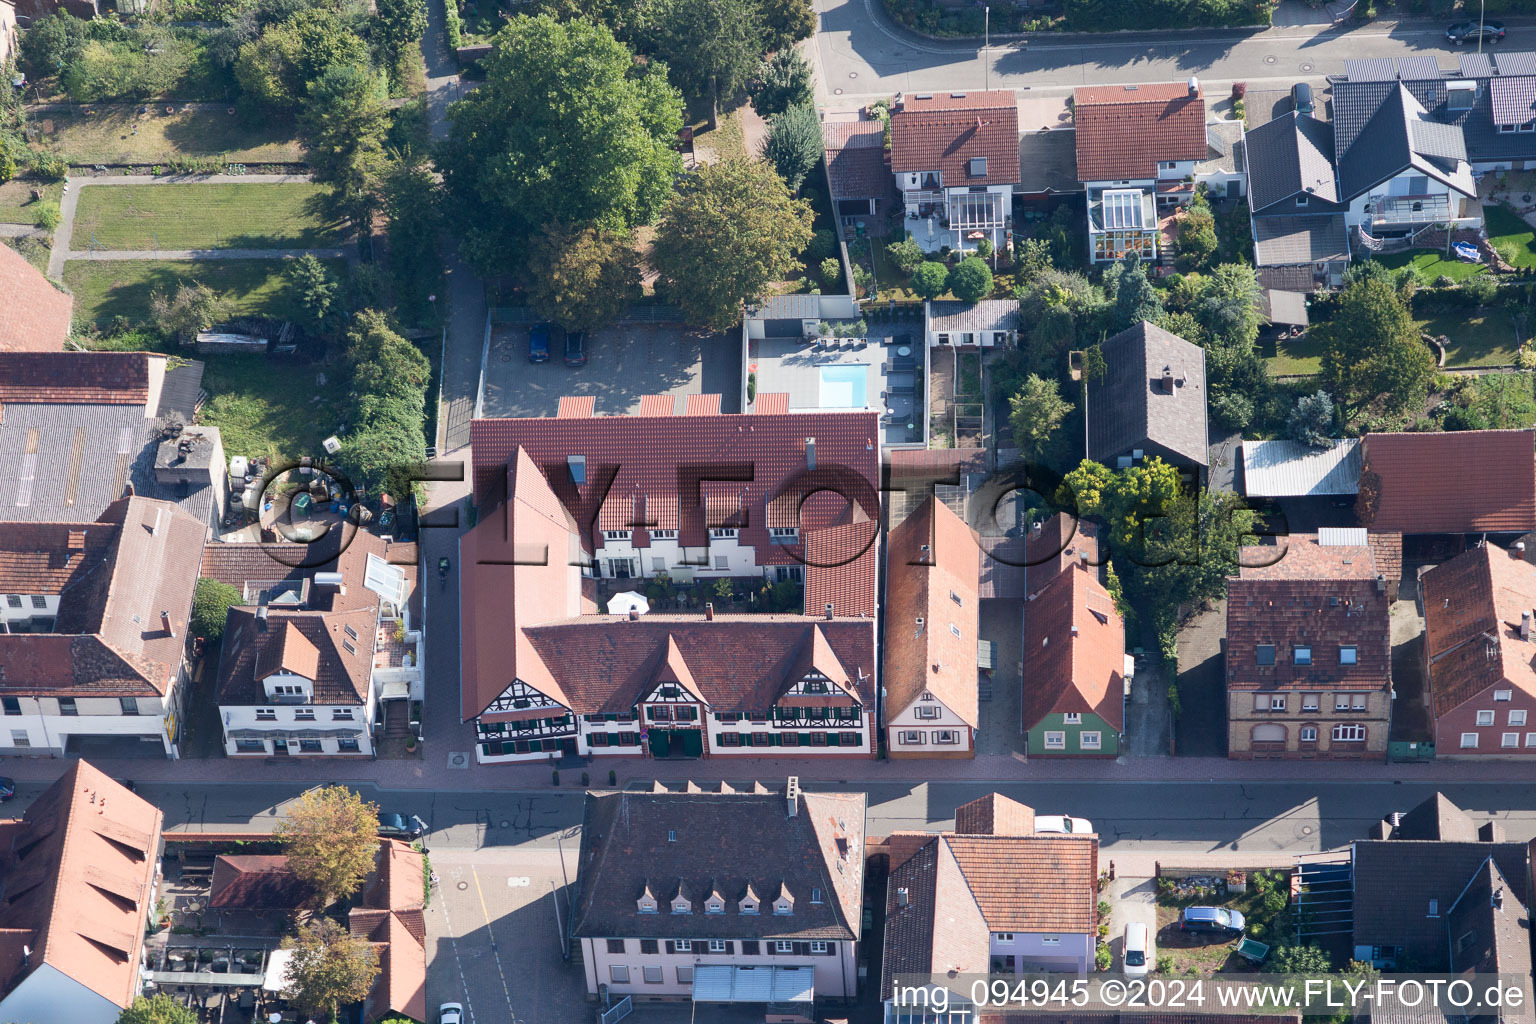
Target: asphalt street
column 1293, row 816
column 862, row 56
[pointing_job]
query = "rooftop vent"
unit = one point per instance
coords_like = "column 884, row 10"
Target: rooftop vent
column 1460, row 95
column 792, row 795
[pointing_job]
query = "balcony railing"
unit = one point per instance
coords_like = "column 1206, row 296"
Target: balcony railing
column 1405, row 210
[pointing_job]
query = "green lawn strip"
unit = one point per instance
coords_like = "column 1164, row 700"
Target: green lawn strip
column 203, row 216
column 1478, row 337
column 105, row 290
column 893, row 284
column 1510, row 234
column 1293, row 357
column 119, row 134
column 1432, row 264
column 269, row 407
column 16, row 205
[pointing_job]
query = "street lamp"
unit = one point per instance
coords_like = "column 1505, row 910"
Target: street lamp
column 1482, row 6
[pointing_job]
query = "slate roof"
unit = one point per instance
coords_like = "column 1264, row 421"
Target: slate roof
column 1471, row 481
column 1312, row 595
column 944, row 132
column 1287, row 278
column 1282, row 240
column 35, row 314
column 1074, row 651
column 949, row 315
column 79, row 872
column 108, row 638
column 256, row 882
column 939, row 586
column 1472, row 609
column 1289, row 156
column 1129, row 407
column 63, row 378
column 1123, row 131
column 1435, row 817
column 1399, row 136
column 856, row 159
column 1287, row 469
column 726, row 841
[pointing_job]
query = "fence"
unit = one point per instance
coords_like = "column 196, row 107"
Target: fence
column 618, row 1011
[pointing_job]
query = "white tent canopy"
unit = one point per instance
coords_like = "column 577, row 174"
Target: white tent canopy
column 628, row 601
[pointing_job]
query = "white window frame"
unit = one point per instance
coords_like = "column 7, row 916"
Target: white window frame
column 1050, row 940
column 717, row 945
column 1469, row 741
column 646, row 974
column 946, row 736
column 783, row 946
column 1517, row 717
column 722, row 563
column 1509, row 739
column 1072, row 718
column 1093, row 740
column 618, row 974
column 1348, row 732
column 927, row 712
column 1357, row 702
column 1341, row 702
column 1308, row 734
column 954, row 629
column 1055, row 740
column 1485, row 717
column 1310, row 702
column 1530, row 739
column 1503, row 694
column 819, row 946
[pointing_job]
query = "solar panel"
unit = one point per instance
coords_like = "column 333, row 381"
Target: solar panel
column 1515, row 63
column 1370, row 69
column 1413, row 69
column 1476, row 65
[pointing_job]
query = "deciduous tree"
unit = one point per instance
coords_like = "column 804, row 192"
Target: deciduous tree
column 211, row 602
column 194, row 307
column 1372, row 352
column 331, row 838
column 567, row 128
column 786, row 23
column 782, row 81
column 581, row 278
column 156, row 1009
column 705, row 42
column 397, row 24
column 971, row 280
column 1036, row 412
column 342, row 126
column 930, row 279
column 331, row 968
column 731, row 229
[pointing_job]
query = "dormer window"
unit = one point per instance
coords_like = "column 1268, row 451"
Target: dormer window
column 748, row 906
column 681, row 906
column 783, row 908
column 714, row 907
column 647, row 904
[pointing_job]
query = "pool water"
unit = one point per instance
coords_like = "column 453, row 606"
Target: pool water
column 843, row 387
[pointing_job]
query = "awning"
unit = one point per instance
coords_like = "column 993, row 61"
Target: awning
column 395, row 689
column 277, row 970
column 986, row 654
column 723, row 984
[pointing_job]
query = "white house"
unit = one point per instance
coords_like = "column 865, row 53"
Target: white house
column 956, row 161
column 742, row 896
column 990, row 323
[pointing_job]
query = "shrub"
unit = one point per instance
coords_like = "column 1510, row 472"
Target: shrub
column 1103, row 959
column 7, row 165
column 906, row 255
column 930, row 279
column 211, row 602
column 823, row 244
column 53, row 166
column 47, row 216
column 1480, row 288
column 831, row 270
column 971, row 280
column 451, row 24
column 1164, row 964
column 1444, row 281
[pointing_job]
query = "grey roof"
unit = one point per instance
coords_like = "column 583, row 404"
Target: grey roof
column 986, row 315
column 786, row 307
column 178, row 393
column 1394, row 138
column 1293, row 277
column 1515, row 62
column 1371, row 69
column 1291, row 154
column 1476, row 65
column 1048, row 161
column 1290, row 469
column 1286, row 307
column 1224, row 149
column 1281, row 240
column 1438, row 140
column 1409, row 68
column 1129, row 407
column 1513, row 100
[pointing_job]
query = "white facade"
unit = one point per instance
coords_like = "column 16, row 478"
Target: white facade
column 836, row 968
column 24, row 607
column 42, row 726
column 618, row 558
column 1033, row 952
column 940, row 215
column 48, row 994
column 284, row 726
column 927, row 728
column 1410, row 199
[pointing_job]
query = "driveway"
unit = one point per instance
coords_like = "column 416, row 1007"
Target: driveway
column 624, row 363
column 1002, row 622
column 1134, row 901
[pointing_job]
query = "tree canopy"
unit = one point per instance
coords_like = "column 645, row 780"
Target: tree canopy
column 704, row 42
column 729, row 231
column 211, row 602
column 331, row 838
column 1036, row 413
column 342, row 125
column 971, row 280
column 1372, row 352
column 930, row 279
column 794, row 144
column 331, row 968
column 156, row 1009
column 1134, row 297
column 782, row 81
column 387, row 402
column 567, row 127
column 581, row 278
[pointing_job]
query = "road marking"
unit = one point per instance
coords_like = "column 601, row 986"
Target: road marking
column 453, row 942
column 518, row 882
column 492, row 936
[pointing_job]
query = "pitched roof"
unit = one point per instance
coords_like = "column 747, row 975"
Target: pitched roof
column 1130, row 407
column 856, row 159
column 1491, row 927
column 256, row 882
column 1059, row 543
column 1048, row 161
column 391, row 913
column 1281, row 240
column 726, row 841
column 1283, row 469
column 1289, row 156
column 1472, row 612
column 1471, row 481
column 79, row 873
column 1124, row 131
column 994, row 815
column 308, row 643
column 1397, row 136
column 1074, row 651
column 945, row 132
column 35, row 314
column 932, row 576
column 1435, row 817
column 1319, row 596
column 986, row 315
column 109, row 637
column 96, row 378
column 44, row 558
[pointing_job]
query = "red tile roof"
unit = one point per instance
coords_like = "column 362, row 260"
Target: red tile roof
column 42, row 558
column 841, row 564
column 577, row 405
column 1471, row 481
column 1123, row 131
column 994, row 815
column 35, row 315
column 937, row 586
column 256, row 882
column 945, row 132
column 701, row 405
column 1061, row 542
column 856, row 159
column 1472, row 612
column 1074, row 651
column 70, row 378
column 771, row 403
column 657, row 405
column 391, row 914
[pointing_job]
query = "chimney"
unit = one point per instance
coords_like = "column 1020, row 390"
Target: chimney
column 901, row 896
column 792, row 795
column 1525, row 625
column 1381, row 584
column 154, row 531
column 1168, row 379
column 925, row 554
column 1034, row 529
column 1498, row 897
column 77, row 540
column 165, row 623
column 828, row 611
column 709, row 611
column 1518, row 550
column 810, row 453
column 261, row 617
column 1194, row 86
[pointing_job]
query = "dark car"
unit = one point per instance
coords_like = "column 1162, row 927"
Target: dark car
column 575, row 348
column 400, row 826
column 7, row 789
column 1464, row 32
column 538, row 344
column 1211, row 919
column 1301, row 98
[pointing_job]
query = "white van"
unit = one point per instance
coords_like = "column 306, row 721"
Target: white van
column 1137, row 949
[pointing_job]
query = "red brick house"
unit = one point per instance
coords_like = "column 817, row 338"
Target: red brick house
column 1479, row 649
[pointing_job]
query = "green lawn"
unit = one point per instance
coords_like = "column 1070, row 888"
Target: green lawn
column 16, row 205
column 1510, row 234
column 269, row 407
column 119, row 134
column 203, row 216
column 1478, row 337
column 1432, row 264
column 121, row 288
column 1298, row 356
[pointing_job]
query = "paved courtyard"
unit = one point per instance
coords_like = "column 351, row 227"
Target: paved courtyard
column 624, row 363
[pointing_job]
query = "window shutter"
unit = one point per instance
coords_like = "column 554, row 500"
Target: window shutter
column 771, row 948
column 719, row 739
column 730, row 948
column 671, row 946
column 831, row 949
column 802, row 949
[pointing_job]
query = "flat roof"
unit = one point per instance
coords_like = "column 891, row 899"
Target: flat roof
column 1290, row 469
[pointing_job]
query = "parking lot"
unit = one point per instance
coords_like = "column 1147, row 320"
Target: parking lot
column 624, row 363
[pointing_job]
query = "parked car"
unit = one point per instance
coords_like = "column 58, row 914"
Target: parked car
column 575, row 348
column 1062, row 823
column 1212, row 919
column 1136, row 949
column 1301, row 98
column 450, row 1013
column 1464, row 32
column 400, row 826
column 7, row 789
column 538, row 343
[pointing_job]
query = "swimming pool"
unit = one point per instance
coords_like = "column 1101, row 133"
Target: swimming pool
column 842, row 387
